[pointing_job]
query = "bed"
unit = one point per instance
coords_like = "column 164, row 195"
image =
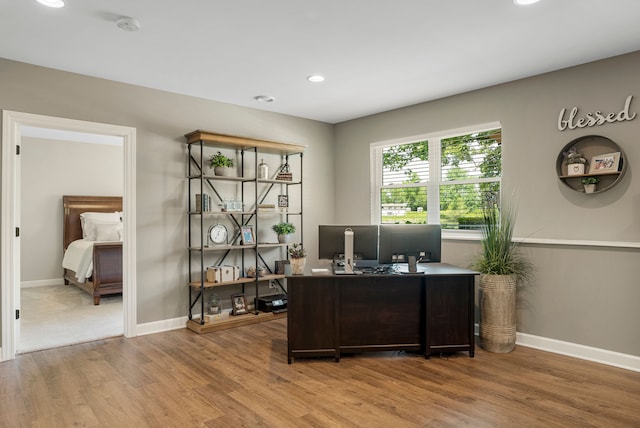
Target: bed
column 105, row 274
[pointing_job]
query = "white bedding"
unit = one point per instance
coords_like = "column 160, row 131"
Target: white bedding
column 79, row 258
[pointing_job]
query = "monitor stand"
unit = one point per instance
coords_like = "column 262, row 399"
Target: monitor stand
column 413, row 268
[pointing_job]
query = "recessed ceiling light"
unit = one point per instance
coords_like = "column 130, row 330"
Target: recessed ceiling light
column 265, row 98
column 128, row 24
column 315, row 78
column 52, row 3
column 525, row 2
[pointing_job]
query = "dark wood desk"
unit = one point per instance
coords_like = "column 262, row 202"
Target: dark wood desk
column 430, row 313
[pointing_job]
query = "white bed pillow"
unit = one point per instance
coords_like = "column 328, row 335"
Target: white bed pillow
column 91, row 228
column 108, row 231
column 97, row 216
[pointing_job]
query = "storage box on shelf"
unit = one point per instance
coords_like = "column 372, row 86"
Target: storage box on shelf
column 240, row 207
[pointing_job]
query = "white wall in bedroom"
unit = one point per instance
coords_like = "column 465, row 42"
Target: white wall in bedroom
column 50, row 169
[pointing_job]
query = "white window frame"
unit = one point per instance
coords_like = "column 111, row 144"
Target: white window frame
column 434, row 183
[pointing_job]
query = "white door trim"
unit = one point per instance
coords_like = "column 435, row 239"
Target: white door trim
column 10, row 259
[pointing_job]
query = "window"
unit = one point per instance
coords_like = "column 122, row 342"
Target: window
column 444, row 179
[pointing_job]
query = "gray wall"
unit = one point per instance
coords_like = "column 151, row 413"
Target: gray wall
column 50, row 169
column 583, row 295
column 161, row 120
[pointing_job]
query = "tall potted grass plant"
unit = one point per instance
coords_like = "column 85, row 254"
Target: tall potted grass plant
column 503, row 267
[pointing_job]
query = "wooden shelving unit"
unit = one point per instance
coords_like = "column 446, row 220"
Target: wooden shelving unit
column 252, row 192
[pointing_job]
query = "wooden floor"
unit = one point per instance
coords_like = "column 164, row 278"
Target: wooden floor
column 240, row 378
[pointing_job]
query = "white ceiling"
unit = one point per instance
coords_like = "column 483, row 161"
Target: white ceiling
column 376, row 55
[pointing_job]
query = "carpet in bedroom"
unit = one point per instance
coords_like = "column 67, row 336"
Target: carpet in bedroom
column 60, row 315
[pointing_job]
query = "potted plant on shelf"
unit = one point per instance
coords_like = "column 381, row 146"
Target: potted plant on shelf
column 575, row 161
column 503, row 267
column 221, row 164
column 284, row 231
column 590, row 184
column 298, row 259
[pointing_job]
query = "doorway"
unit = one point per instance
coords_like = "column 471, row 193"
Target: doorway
column 13, row 124
column 53, row 314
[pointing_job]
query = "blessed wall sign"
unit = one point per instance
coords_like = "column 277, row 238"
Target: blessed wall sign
column 571, row 121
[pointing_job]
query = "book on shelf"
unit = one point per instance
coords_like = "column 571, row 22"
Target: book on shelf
column 284, row 176
column 266, row 208
column 203, row 202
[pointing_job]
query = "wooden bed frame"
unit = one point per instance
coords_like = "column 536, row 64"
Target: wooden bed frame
column 107, row 256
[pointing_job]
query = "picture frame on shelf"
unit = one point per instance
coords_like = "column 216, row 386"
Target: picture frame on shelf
column 283, row 201
column 604, row 163
column 239, row 304
column 248, row 237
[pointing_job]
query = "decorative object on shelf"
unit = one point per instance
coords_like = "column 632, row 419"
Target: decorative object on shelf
column 224, row 273
column 251, row 271
column 222, row 165
column 298, row 259
column 605, row 163
column 239, row 304
column 284, row 231
column 590, row 184
column 283, row 202
column 232, row 206
column 218, row 234
column 266, row 208
column 575, row 161
column 285, row 173
column 280, row 264
column 248, row 237
column 214, row 304
column 203, row 202
column 263, row 170
column 502, row 267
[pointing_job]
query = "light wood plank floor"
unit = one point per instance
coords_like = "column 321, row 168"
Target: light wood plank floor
column 240, row 378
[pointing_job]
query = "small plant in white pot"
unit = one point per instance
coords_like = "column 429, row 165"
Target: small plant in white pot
column 221, row 164
column 298, row 259
column 589, row 184
column 575, row 161
column 284, row 231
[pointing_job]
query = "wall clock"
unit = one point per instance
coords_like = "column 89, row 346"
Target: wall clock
column 218, row 234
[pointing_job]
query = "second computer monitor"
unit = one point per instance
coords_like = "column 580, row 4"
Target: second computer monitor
column 399, row 241
column 365, row 243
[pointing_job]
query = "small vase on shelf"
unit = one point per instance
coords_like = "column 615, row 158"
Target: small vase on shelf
column 589, row 184
column 298, row 265
column 575, row 169
column 284, row 238
column 298, row 259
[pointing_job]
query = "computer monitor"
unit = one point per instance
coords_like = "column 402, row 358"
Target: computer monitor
column 399, row 241
column 365, row 243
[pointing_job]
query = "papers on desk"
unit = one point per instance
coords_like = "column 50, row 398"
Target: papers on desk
column 320, row 271
column 344, row 272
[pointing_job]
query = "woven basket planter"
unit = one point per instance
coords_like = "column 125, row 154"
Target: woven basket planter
column 497, row 313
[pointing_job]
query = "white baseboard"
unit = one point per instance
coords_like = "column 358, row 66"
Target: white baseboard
column 42, row 282
column 597, row 355
column 160, row 326
column 602, row 356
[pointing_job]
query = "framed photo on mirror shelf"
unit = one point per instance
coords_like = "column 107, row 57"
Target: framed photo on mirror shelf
column 239, row 304
column 248, row 237
column 605, row 163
